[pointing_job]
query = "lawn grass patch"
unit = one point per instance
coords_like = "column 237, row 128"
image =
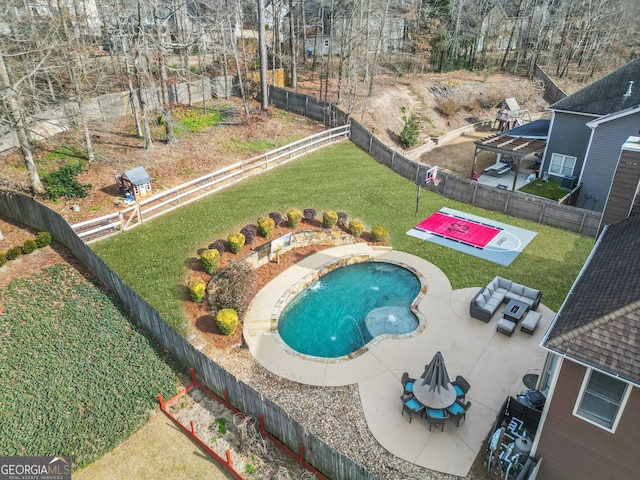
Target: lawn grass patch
column 339, row 178
column 550, row 189
column 195, row 120
column 76, row 377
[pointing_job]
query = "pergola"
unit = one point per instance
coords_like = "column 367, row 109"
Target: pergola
column 511, row 146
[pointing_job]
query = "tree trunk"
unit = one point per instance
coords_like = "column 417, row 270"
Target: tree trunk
column 165, row 108
column 16, row 113
column 262, row 42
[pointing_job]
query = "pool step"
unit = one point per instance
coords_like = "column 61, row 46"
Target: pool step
column 259, row 327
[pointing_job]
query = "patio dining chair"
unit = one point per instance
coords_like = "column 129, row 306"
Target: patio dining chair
column 411, row 406
column 437, row 417
column 462, row 387
column 458, row 411
column 424, row 373
column 407, row 383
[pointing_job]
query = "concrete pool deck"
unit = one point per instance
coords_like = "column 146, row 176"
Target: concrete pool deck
column 493, row 363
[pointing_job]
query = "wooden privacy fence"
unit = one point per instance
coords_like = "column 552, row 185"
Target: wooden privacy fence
column 243, row 397
column 168, row 200
column 517, row 204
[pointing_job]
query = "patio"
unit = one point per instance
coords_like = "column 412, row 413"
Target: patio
column 494, row 364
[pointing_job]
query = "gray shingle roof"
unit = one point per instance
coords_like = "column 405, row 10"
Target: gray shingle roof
column 599, row 322
column 606, row 95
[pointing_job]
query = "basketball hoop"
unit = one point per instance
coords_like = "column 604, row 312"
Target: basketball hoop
column 432, row 176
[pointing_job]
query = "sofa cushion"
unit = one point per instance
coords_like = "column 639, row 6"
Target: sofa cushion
column 504, row 283
column 480, row 301
column 527, row 300
column 501, row 291
column 531, row 292
column 493, row 303
column 517, row 288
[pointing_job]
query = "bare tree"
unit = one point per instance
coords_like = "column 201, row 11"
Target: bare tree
column 17, row 115
column 262, row 41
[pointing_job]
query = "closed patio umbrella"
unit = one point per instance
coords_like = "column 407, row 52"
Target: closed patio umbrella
column 435, row 390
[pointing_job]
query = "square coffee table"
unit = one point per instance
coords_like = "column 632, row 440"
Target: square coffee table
column 515, row 310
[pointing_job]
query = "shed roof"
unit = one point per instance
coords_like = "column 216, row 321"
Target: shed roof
column 535, row 129
column 599, row 322
column 606, row 95
column 137, row 176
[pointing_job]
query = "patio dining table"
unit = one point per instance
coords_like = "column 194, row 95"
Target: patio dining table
column 437, row 397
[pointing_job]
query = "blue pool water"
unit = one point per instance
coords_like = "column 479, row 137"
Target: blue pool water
column 345, row 309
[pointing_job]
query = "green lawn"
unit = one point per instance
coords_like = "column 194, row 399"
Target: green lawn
column 153, row 258
column 76, row 377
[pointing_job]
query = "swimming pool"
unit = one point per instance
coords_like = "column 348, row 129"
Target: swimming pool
column 346, row 309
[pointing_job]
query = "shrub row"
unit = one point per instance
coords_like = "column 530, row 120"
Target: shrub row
column 229, row 297
column 42, row 239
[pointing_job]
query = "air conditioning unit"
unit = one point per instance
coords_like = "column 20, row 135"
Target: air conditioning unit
column 569, row 183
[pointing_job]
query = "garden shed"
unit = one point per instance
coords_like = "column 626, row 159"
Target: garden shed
column 137, row 181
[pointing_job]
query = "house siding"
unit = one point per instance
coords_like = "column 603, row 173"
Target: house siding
column 573, row 448
column 623, row 188
column 601, row 164
column 569, row 136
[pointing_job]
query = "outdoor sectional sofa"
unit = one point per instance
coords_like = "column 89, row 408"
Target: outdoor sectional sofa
column 499, row 291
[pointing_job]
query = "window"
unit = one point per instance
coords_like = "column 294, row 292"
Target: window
column 601, row 399
column 562, row 164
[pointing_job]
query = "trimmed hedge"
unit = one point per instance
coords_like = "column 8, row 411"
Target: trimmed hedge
column 276, row 217
column 250, row 232
column 29, row 246
column 329, row 219
column 356, row 227
column 236, row 242
column 342, row 219
column 309, row 215
column 378, row 233
column 293, row 217
column 13, row 253
column 43, row 239
column 266, row 226
column 210, row 259
column 227, row 321
column 3, row 258
column 197, row 288
column 219, row 245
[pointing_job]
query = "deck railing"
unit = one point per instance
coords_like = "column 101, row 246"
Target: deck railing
column 168, row 200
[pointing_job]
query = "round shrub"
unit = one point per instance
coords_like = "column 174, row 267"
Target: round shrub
column 309, row 215
column 378, row 233
column 293, row 217
column 227, row 321
column 342, row 219
column 276, row 217
column 356, row 227
column 266, row 226
column 210, row 259
column 197, row 288
column 13, row 253
column 236, row 242
column 250, row 232
column 29, row 246
column 43, row 239
column 329, row 219
column 234, row 288
column 3, row 258
column 218, row 245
